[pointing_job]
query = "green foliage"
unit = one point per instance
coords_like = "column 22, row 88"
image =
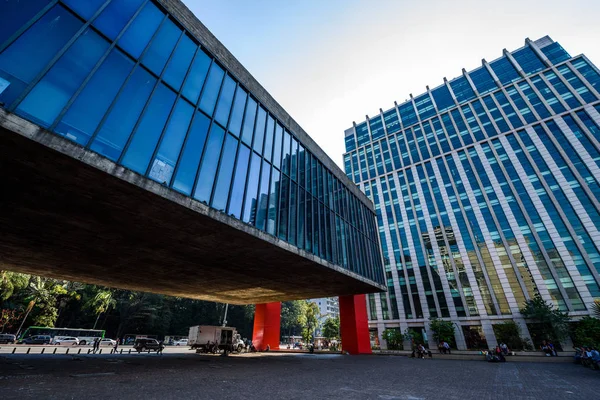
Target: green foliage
column 331, row 328
column 596, row 308
column 394, row 339
column 11, row 282
column 293, row 316
column 587, row 332
column 9, row 319
column 442, row 330
column 509, row 332
column 413, row 336
column 552, row 324
column 310, row 321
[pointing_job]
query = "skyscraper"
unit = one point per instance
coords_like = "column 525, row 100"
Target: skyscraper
column 486, row 193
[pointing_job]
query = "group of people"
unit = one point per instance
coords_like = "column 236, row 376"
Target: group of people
column 588, row 357
column 419, row 351
column 548, row 348
column 498, row 354
column 444, row 347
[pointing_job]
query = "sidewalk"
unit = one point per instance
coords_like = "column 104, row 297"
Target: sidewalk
column 475, row 355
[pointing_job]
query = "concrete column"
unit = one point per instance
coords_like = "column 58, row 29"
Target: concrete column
column 524, row 331
column 382, row 341
column 267, row 326
column 354, row 324
column 459, row 337
column 488, row 331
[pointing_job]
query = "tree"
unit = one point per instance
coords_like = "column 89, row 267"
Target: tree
column 587, row 332
column 394, row 339
column 596, row 308
column 101, row 303
column 552, row 324
column 11, row 282
column 293, row 315
column 509, row 332
column 9, row 319
column 331, row 328
column 442, row 331
column 310, row 320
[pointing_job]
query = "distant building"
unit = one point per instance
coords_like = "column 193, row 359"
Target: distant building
column 487, row 194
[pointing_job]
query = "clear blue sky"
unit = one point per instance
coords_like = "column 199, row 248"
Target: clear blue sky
column 330, row 62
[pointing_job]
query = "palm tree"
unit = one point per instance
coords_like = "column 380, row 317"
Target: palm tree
column 101, row 303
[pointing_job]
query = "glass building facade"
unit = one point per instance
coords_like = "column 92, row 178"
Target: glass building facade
column 486, row 193
column 125, row 79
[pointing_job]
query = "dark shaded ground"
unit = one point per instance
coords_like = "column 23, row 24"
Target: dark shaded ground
column 276, row 376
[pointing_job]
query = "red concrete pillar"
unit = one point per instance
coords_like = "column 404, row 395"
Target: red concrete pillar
column 354, row 324
column 267, row 326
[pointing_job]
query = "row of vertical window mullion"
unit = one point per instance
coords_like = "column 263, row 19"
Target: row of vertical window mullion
column 29, row 24
column 86, row 24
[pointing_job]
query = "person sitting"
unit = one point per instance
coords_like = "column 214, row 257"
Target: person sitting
column 595, row 358
column 586, row 357
column 447, row 347
column 546, row 349
column 421, row 351
column 441, row 348
column 504, row 348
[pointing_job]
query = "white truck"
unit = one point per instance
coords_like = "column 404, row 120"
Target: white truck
column 213, row 339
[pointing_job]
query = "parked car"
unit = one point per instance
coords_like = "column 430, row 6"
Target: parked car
column 107, row 342
column 66, row 340
column 7, row 338
column 147, row 344
column 37, row 339
column 181, row 342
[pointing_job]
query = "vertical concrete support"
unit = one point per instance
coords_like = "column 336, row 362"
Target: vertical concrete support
column 354, row 324
column 382, row 341
column 459, row 336
column 488, row 331
column 267, row 326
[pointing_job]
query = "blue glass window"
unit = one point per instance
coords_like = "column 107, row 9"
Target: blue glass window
column 551, row 99
column 263, row 193
column 425, row 106
column 443, row 98
column 269, row 135
column 16, row 13
column 273, row 202
column 284, row 207
column 145, row 138
column 259, row 130
column 496, row 114
column 376, row 128
column 192, row 151
column 140, row 31
column 219, row 201
column 362, row 134
column 195, row 81
column 483, row 118
column 163, row 165
column 285, row 153
column 239, row 182
column 116, row 15
column 249, row 121
column 84, row 115
column 588, row 72
column 84, row 8
column 577, row 84
column 408, row 114
column 237, row 114
column 483, row 80
column 277, row 145
column 225, row 100
column 555, row 53
column 462, row 89
column 211, row 89
column 392, row 124
column 180, row 62
column 208, row 170
column 521, row 104
column 462, row 127
column 250, row 202
column 51, row 94
column 126, row 110
column 294, row 160
column 161, row 47
column 509, row 111
column 350, row 142
column 534, row 99
column 528, row 60
column 28, row 55
column 505, row 71
column 562, row 89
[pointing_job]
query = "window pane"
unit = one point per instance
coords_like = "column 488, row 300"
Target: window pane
column 180, row 63
column 239, row 182
column 237, row 114
column 170, row 146
column 226, row 169
column 224, row 106
column 118, row 126
column 208, row 170
column 161, row 47
column 294, row 159
column 285, row 157
column 211, row 89
column 190, row 158
column 195, row 80
column 116, row 15
column 26, row 57
column 273, row 202
column 277, row 145
column 252, row 188
column 292, row 217
column 269, row 138
column 148, row 131
column 284, row 207
column 84, row 8
column 138, row 34
column 82, row 119
column 263, row 195
column 51, row 94
column 259, row 131
column 249, row 122
column 16, row 13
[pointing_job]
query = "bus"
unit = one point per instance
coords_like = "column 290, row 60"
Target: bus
column 85, row 336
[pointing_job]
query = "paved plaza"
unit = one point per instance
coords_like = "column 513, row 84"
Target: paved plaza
column 284, row 376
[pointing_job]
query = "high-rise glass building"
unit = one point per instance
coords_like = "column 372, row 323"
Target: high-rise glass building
column 486, row 193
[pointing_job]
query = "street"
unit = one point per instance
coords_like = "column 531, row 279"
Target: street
column 181, row 374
